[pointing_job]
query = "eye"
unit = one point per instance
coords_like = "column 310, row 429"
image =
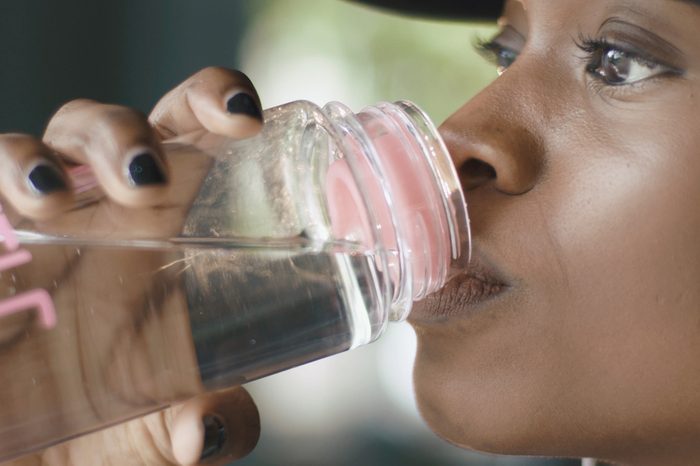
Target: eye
column 497, row 54
column 615, row 66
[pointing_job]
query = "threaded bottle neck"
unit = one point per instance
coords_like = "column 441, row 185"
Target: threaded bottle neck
column 414, row 204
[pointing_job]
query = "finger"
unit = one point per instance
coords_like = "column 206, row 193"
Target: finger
column 32, row 179
column 212, row 430
column 120, row 146
column 143, row 441
column 219, row 100
column 216, row 428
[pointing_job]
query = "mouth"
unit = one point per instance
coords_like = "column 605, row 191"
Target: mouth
column 467, row 293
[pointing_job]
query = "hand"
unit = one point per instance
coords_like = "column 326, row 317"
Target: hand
column 145, row 195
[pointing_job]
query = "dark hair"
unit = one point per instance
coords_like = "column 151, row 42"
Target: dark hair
column 442, row 9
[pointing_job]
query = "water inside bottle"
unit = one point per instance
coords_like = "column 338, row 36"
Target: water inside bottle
column 139, row 327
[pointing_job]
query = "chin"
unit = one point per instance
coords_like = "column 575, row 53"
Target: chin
column 469, row 409
column 465, row 425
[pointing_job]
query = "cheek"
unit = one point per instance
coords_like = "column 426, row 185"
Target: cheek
column 604, row 326
column 626, row 224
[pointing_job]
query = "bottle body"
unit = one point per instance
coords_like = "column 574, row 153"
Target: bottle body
column 253, row 269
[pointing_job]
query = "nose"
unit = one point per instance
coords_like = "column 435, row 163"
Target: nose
column 493, row 140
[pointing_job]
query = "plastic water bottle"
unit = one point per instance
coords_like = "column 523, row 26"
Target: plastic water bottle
column 297, row 244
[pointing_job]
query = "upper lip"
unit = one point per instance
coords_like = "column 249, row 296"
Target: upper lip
column 464, row 292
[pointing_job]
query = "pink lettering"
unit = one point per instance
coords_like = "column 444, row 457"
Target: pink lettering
column 38, row 299
column 34, row 299
column 8, row 233
column 15, row 259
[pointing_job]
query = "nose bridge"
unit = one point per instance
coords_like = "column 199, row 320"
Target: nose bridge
column 501, row 128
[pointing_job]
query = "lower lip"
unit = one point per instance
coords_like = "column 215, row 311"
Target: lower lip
column 463, row 296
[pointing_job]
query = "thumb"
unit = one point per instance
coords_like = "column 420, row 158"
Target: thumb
column 218, row 428
column 213, row 429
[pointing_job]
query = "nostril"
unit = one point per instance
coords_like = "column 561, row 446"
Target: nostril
column 474, row 173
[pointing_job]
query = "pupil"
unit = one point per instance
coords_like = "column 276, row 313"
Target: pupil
column 615, row 66
column 506, row 58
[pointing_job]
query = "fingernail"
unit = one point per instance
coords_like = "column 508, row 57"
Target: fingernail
column 144, row 169
column 46, row 179
column 243, row 103
column 214, row 437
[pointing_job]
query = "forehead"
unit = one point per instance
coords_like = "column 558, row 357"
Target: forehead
column 565, row 14
column 584, row 6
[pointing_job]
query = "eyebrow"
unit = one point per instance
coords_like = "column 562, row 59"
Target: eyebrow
column 691, row 2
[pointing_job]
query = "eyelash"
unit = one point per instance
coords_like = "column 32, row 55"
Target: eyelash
column 595, row 48
column 503, row 57
column 491, row 51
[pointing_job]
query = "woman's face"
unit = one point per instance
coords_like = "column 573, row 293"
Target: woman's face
column 581, row 165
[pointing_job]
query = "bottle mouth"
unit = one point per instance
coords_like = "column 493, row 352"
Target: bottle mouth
column 407, row 202
column 447, row 181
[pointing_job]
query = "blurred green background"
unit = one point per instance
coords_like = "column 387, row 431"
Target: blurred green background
column 352, row 409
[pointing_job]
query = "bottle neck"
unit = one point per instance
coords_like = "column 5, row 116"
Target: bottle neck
column 404, row 181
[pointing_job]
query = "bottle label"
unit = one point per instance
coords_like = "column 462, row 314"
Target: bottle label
column 37, row 299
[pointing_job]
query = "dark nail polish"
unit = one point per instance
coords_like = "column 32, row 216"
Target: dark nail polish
column 242, row 103
column 47, row 179
column 144, row 169
column 214, row 437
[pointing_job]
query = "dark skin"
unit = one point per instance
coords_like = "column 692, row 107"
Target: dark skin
column 580, row 168
column 589, row 214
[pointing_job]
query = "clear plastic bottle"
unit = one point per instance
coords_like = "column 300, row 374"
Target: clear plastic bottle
column 279, row 250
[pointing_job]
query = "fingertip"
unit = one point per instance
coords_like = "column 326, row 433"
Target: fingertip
column 200, row 440
column 45, row 178
column 120, row 147
column 241, row 103
column 216, row 428
column 219, row 100
column 245, row 109
column 242, row 420
column 48, row 192
column 215, row 437
column 143, row 180
column 49, row 188
column 143, row 167
column 32, row 180
column 187, row 437
column 237, row 115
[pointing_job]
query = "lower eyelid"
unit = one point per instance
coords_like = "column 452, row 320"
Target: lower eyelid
column 621, row 92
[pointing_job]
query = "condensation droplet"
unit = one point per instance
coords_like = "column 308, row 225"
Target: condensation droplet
column 253, row 341
column 78, row 251
column 55, row 284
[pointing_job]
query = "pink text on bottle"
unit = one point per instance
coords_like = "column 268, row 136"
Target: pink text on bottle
column 13, row 257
